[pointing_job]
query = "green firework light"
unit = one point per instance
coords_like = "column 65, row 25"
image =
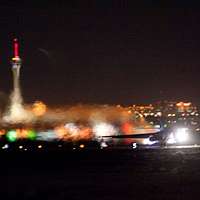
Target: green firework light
column 11, row 136
column 31, row 135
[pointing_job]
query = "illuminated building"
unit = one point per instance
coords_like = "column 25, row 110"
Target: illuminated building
column 184, row 107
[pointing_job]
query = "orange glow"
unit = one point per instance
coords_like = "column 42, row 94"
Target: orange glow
column 61, row 132
column 187, row 104
column 85, row 133
column 82, row 146
column 2, row 132
column 21, row 133
column 39, row 108
column 180, row 104
column 127, row 128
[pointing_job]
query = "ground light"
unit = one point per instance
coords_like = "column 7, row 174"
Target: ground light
column 82, row 146
column 31, row 135
column 181, row 134
column 147, row 141
column 6, row 146
column 11, row 136
column 171, row 139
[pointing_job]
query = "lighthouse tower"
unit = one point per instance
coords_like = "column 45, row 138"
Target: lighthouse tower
column 16, row 112
column 16, row 65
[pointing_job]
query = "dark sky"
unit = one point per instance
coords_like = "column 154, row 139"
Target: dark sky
column 102, row 52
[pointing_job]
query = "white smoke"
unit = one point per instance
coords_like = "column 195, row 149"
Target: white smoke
column 16, row 112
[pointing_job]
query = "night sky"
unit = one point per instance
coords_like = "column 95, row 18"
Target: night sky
column 102, row 52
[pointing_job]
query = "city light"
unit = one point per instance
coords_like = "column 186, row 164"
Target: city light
column 81, row 146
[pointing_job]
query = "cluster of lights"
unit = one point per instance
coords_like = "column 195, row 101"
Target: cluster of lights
column 171, row 115
column 180, row 135
column 183, row 108
column 188, row 114
column 13, row 135
column 156, row 114
column 39, row 147
column 70, row 132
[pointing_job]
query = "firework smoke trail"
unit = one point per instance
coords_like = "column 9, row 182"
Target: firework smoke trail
column 16, row 112
column 82, row 122
column 91, row 121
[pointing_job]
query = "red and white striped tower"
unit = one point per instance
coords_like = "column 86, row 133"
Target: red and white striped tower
column 16, row 65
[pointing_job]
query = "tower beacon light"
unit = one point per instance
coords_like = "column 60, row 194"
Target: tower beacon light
column 16, row 59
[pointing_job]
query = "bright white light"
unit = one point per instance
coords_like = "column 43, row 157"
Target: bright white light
column 48, row 135
column 104, row 129
column 134, row 145
column 181, row 134
column 103, row 145
column 72, row 128
column 6, row 146
column 171, row 139
column 159, row 114
column 147, row 141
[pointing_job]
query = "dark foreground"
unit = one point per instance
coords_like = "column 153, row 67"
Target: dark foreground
column 111, row 174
